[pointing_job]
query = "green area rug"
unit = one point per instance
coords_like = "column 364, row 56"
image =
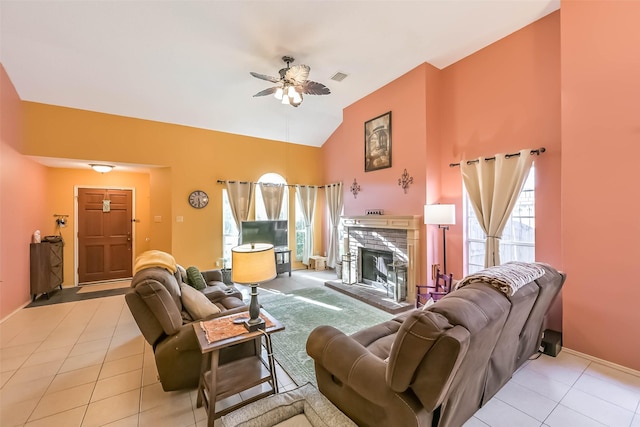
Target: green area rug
column 301, row 311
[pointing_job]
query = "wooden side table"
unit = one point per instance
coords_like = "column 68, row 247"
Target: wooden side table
column 221, row 381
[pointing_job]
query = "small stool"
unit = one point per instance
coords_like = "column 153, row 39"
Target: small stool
column 317, row 263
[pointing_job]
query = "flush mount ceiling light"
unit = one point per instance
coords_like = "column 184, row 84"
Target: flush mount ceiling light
column 101, row 168
column 292, row 84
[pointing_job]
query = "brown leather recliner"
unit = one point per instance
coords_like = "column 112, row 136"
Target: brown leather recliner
column 433, row 367
column 155, row 303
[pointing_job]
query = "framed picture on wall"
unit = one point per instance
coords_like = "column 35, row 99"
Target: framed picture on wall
column 377, row 143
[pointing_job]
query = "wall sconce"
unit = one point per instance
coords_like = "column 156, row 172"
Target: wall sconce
column 405, row 180
column 102, row 168
column 442, row 216
column 355, row 188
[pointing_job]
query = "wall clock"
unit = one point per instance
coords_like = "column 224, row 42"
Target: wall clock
column 198, row 199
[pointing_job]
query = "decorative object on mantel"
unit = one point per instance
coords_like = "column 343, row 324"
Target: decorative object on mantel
column 375, row 212
column 377, row 143
column 405, row 180
column 355, row 188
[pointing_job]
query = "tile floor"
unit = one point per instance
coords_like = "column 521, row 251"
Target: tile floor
column 85, row 363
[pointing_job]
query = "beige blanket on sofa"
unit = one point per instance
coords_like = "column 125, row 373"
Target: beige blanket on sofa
column 507, row 277
column 155, row 258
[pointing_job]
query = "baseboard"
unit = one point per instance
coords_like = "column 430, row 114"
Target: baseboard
column 603, row 362
column 15, row 311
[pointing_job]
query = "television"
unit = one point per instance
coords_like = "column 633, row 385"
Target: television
column 270, row 231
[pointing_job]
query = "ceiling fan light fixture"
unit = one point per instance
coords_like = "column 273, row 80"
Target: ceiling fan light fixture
column 278, row 94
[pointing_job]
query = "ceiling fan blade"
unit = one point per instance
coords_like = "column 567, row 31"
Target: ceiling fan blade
column 269, row 91
column 315, row 88
column 297, row 74
column 265, row 77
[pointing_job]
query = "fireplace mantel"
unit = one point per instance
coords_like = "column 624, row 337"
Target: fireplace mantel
column 359, row 227
column 397, row 222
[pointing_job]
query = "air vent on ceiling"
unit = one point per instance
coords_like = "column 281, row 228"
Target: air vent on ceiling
column 339, row 76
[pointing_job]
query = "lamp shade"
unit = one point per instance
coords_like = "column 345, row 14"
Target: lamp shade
column 253, row 263
column 440, row 214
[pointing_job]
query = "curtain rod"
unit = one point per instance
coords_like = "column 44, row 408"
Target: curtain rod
column 220, row 181
column 536, row 152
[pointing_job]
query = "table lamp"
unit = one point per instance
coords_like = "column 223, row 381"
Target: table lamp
column 442, row 216
column 252, row 264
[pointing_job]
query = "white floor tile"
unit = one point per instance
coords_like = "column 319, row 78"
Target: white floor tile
column 70, row 418
column 609, row 390
column 565, row 368
column 527, row 401
column 496, row 413
column 63, row 400
column 566, row 417
column 597, row 409
column 636, row 421
column 541, row 383
column 475, row 422
column 117, row 384
column 112, row 409
column 74, row 378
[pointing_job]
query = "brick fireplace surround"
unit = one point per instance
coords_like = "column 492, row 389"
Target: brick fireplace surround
column 397, row 234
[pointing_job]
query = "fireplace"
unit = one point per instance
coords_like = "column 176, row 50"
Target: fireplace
column 374, row 265
column 383, row 250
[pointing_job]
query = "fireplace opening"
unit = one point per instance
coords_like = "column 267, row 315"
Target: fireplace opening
column 374, row 266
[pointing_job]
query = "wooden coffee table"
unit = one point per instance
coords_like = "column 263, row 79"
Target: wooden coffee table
column 218, row 382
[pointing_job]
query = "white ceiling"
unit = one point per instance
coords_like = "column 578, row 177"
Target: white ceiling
column 188, row 62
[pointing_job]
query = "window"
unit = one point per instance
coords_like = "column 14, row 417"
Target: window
column 230, row 232
column 518, row 237
column 272, row 178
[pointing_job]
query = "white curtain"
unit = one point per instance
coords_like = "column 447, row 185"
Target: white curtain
column 494, row 187
column 334, row 202
column 272, row 197
column 240, row 197
column 307, row 198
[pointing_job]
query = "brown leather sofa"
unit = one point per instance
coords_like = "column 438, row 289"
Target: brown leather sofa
column 155, row 302
column 437, row 366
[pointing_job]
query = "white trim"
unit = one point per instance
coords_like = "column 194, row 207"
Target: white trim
column 603, row 362
column 76, row 280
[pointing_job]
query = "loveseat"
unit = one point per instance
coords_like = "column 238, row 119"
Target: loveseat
column 156, row 302
column 438, row 365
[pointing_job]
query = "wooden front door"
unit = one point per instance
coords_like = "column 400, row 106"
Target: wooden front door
column 104, row 234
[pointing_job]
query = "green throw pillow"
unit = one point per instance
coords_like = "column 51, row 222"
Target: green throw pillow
column 195, row 279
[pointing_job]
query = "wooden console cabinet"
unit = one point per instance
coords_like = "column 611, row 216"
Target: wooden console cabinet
column 46, row 267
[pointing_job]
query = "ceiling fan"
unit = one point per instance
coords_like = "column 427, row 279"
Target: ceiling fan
column 292, row 84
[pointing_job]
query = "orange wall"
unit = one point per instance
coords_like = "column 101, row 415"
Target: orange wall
column 60, row 188
column 22, row 190
column 190, row 158
column 600, row 151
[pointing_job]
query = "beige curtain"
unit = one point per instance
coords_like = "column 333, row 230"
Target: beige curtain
column 494, row 187
column 335, row 203
column 307, row 198
column 240, row 198
column 272, row 197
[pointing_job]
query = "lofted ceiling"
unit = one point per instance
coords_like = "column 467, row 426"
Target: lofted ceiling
column 188, row 62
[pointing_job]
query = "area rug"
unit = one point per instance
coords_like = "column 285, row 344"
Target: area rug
column 301, row 311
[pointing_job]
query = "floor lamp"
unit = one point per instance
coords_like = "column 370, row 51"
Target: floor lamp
column 443, row 216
